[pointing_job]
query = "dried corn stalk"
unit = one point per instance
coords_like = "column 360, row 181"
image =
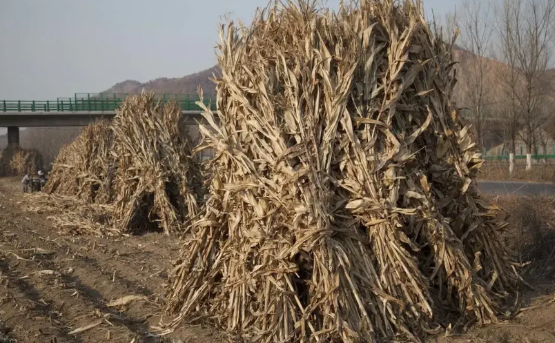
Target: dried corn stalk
column 26, row 161
column 343, row 205
column 72, row 216
column 140, row 165
column 157, row 181
column 84, row 168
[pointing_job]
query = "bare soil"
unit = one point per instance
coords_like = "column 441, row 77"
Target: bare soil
column 531, row 234
column 52, row 285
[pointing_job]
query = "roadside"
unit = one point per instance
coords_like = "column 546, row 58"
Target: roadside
column 516, row 188
column 499, row 171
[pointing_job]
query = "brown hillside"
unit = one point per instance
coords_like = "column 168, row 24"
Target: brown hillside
column 184, row 85
column 494, row 71
column 465, row 74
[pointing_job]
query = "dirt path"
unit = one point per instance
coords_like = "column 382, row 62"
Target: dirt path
column 52, row 286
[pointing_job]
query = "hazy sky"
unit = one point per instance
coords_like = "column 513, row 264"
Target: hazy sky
column 54, row 48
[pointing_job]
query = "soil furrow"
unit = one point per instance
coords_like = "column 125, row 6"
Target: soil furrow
column 84, row 274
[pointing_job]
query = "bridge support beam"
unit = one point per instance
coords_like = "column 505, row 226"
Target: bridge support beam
column 13, row 136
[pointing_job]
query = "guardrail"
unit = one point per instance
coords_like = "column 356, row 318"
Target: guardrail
column 95, row 102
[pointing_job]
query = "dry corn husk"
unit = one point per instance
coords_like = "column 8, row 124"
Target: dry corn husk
column 15, row 161
column 343, row 205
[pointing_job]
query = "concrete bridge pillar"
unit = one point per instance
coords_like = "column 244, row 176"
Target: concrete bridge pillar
column 13, row 136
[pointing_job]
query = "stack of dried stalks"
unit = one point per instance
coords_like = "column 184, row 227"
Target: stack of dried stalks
column 26, row 162
column 139, row 167
column 84, row 168
column 343, row 205
column 157, row 181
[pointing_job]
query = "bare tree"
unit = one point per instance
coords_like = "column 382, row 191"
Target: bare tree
column 476, row 28
column 507, row 75
column 534, row 37
column 526, row 32
column 447, row 25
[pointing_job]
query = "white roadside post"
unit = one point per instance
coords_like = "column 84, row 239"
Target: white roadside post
column 511, row 163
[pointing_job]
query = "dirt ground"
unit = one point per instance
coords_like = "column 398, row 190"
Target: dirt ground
column 59, row 288
column 53, row 285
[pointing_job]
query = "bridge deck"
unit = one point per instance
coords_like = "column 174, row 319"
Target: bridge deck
column 52, row 119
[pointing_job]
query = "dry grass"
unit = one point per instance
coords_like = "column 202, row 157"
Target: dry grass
column 342, row 205
column 499, row 171
column 139, row 166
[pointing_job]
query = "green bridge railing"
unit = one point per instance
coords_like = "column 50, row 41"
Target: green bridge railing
column 92, row 102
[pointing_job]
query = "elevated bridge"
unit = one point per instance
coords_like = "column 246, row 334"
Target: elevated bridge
column 84, row 108
column 81, row 110
column 71, row 118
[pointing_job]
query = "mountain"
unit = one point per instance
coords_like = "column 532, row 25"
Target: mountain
column 189, row 84
column 183, row 85
column 128, row 86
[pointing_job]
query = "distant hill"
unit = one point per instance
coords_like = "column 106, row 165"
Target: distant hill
column 494, row 69
column 189, row 84
column 184, row 85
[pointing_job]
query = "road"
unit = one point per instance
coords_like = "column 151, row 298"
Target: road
column 517, row 188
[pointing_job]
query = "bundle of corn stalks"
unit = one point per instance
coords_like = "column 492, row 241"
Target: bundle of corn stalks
column 84, row 168
column 140, row 165
column 26, row 162
column 157, row 181
column 343, row 205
